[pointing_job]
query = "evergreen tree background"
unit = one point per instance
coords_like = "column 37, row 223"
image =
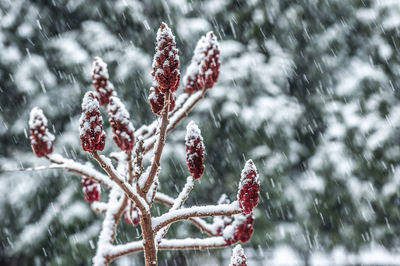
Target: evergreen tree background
column 308, row 89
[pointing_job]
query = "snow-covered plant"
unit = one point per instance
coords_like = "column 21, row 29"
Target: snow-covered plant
column 133, row 185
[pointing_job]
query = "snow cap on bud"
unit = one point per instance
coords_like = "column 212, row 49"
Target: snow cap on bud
column 238, row 257
column 194, row 150
column 103, row 87
column 166, row 61
column 241, row 229
column 132, row 215
column 249, row 188
column 203, row 70
column 91, row 190
column 121, row 125
column 41, row 139
column 209, row 66
column 90, row 124
column 156, row 99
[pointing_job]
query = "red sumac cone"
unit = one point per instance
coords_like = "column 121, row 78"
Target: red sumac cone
column 245, row 229
column 203, row 70
column 91, row 190
column 41, row 139
column 156, row 100
column 249, row 188
column 209, row 66
column 91, row 124
column 194, row 150
column 166, row 61
column 101, row 83
column 241, row 229
column 238, row 257
column 121, row 125
column 132, row 215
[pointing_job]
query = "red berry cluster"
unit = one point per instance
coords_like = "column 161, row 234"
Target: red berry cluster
column 132, row 215
column 210, row 64
column 102, row 85
column 91, row 124
column 41, row 139
column 194, row 150
column 240, row 230
column 249, row 188
column 91, row 190
column 121, row 125
column 156, row 99
column 166, row 61
column 203, row 71
column 238, row 257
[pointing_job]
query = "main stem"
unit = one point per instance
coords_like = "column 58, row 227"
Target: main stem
column 150, row 250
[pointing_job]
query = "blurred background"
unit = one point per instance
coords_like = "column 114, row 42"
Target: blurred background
column 308, row 89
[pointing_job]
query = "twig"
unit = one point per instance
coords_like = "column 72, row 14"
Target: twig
column 169, row 244
column 198, row 222
column 127, row 188
column 179, row 201
column 176, row 116
column 195, row 211
column 160, row 144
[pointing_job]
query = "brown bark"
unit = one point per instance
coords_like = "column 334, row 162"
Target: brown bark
column 150, row 251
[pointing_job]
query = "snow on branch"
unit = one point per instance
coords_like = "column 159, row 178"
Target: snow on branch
column 179, row 201
column 192, row 243
column 195, row 211
column 198, row 222
column 169, row 244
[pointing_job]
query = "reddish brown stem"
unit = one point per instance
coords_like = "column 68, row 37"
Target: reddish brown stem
column 178, row 120
column 118, row 181
column 160, row 146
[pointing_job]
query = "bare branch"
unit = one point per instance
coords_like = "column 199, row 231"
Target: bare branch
column 195, row 211
column 107, row 233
